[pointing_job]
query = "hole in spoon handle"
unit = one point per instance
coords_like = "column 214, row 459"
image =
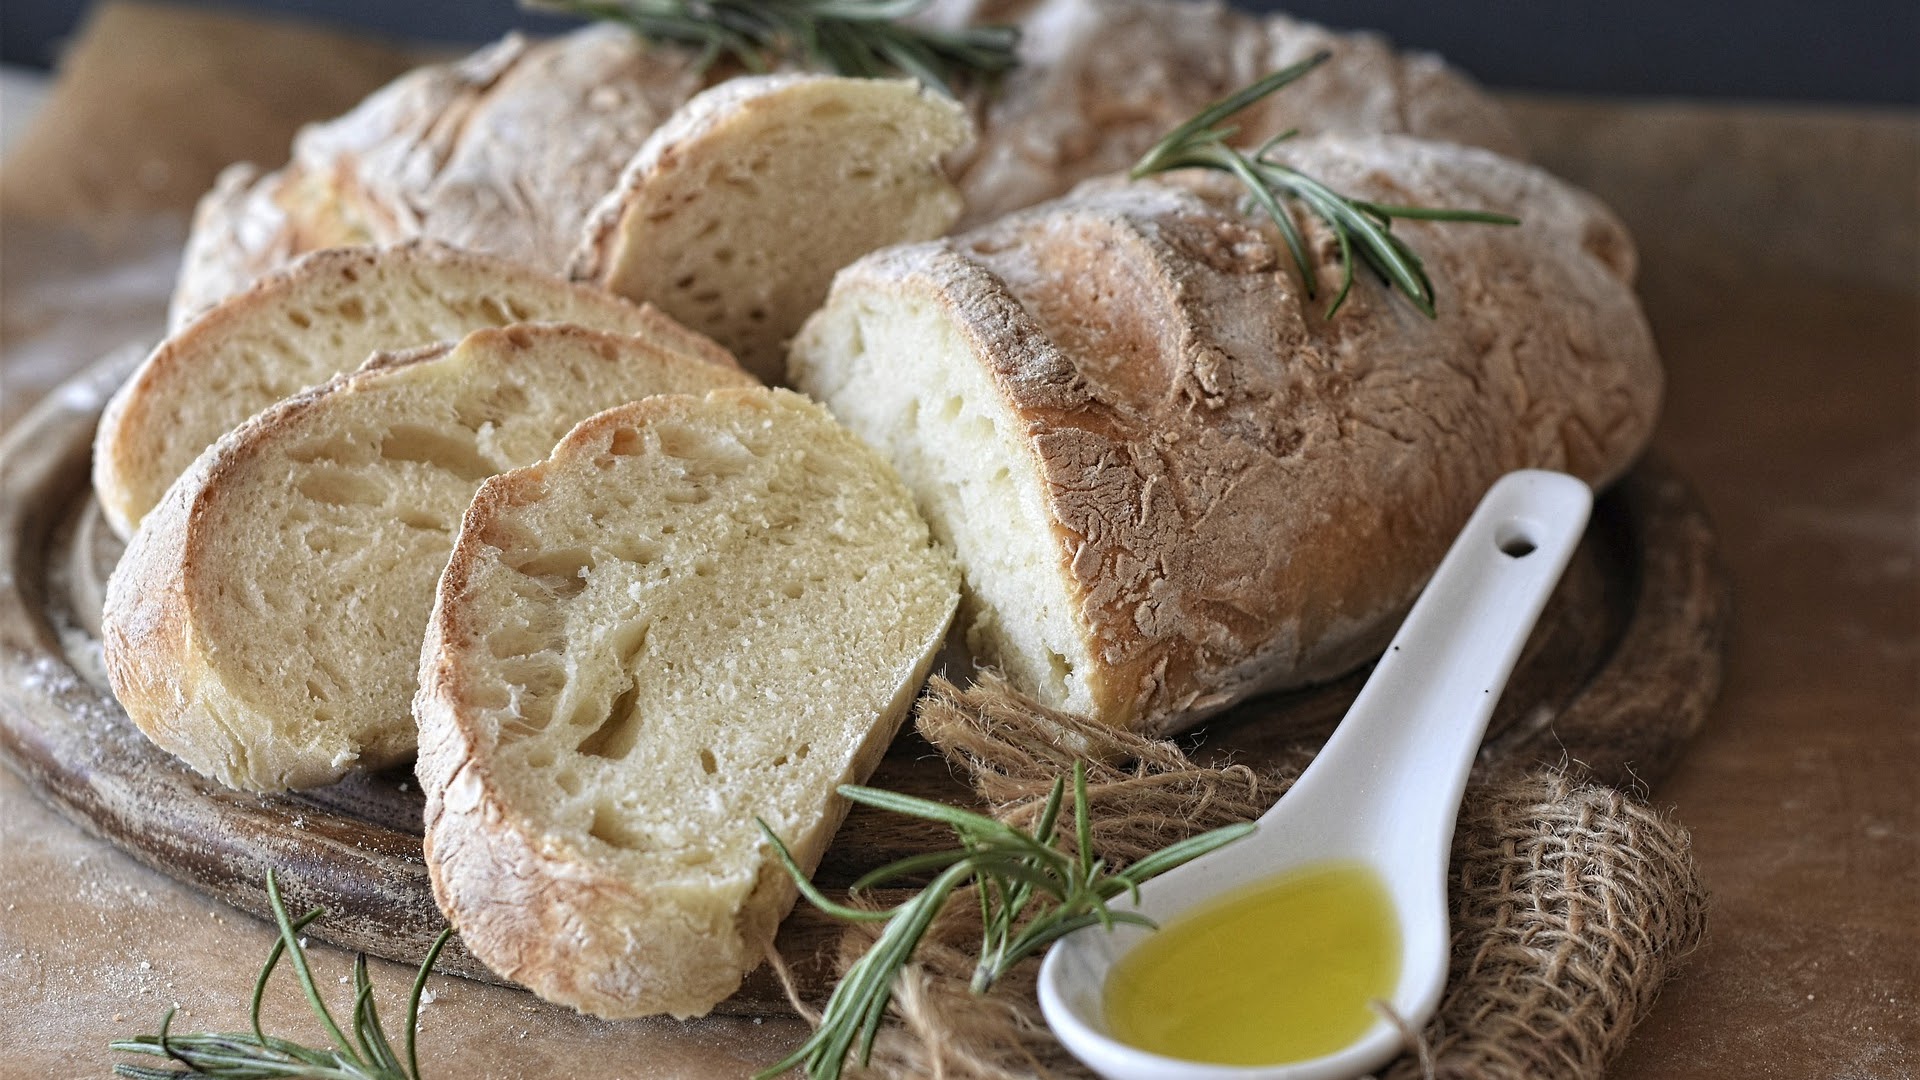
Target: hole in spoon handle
column 1410, row 738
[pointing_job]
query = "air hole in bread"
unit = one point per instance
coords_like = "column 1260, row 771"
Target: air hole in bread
column 490, row 694
column 497, row 406
column 515, row 641
column 686, row 496
column 351, row 309
column 496, row 312
column 425, row 446
column 561, row 571
column 610, row 827
column 338, row 487
column 636, row 550
column 793, row 590
column 415, row 518
column 680, row 441
column 614, row 739
column 708, row 763
column 300, row 319
column 626, row 442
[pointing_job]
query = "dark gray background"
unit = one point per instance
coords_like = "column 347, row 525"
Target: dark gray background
column 1847, row 51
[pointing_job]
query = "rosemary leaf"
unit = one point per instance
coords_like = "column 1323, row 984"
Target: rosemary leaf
column 1361, row 228
column 255, row 1055
column 1030, row 890
column 862, row 38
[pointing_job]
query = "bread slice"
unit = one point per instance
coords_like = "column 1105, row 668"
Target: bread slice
column 734, row 215
column 265, row 623
column 1171, row 480
column 696, row 612
column 503, row 151
column 322, row 316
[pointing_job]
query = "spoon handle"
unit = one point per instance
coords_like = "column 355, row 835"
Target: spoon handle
column 1408, row 742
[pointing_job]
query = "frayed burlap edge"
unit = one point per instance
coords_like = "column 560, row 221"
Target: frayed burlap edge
column 1572, row 902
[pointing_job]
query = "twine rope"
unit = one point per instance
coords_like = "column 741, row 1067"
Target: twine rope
column 1572, row 903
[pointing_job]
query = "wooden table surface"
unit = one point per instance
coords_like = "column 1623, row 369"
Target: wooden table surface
column 1781, row 272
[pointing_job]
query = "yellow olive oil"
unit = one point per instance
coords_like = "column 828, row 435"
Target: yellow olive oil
column 1276, row 971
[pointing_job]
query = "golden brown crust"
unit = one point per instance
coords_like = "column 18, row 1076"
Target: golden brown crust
column 1245, row 493
column 504, row 151
column 509, row 150
column 1101, row 80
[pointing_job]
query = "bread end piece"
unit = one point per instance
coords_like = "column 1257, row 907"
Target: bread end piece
column 722, row 608
column 734, row 215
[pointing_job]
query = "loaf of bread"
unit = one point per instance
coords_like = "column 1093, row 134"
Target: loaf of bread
column 509, row 150
column 504, row 152
column 320, row 317
column 1170, row 480
column 1101, row 81
column 265, row 623
column 697, row 612
column 735, row 214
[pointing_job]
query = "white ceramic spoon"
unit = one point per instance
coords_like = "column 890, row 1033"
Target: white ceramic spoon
column 1384, row 791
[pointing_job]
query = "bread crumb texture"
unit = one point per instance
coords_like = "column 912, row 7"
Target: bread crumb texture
column 265, row 623
column 697, row 612
column 322, row 316
column 735, row 214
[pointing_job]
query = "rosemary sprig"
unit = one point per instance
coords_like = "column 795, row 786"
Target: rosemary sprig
column 850, row 37
column 1031, row 893
column 1361, row 227
column 255, row 1055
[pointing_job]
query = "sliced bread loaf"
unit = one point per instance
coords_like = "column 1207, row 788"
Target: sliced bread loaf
column 265, row 623
column 503, row 151
column 1172, row 481
column 734, row 215
column 322, row 316
column 696, row 612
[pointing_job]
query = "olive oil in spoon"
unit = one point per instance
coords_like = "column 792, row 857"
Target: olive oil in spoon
column 1381, row 798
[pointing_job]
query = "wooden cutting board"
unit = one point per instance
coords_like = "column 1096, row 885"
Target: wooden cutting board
column 1615, row 680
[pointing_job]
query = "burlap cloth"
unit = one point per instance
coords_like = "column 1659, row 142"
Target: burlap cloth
column 1572, row 903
